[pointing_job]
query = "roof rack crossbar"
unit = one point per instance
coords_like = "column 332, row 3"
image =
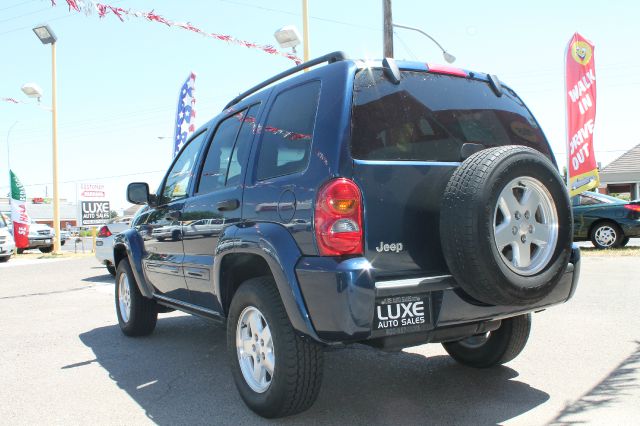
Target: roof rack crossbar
column 329, row 57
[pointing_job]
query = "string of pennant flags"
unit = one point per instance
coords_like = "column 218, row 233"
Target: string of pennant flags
column 88, row 7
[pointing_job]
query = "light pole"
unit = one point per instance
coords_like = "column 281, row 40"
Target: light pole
column 46, row 36
column 9, row 151
column 447, row 56
column 305, row 30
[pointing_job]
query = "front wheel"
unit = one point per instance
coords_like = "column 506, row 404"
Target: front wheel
column 111, row 269
column 46, row 249
column 494, row 347
column 606, row 235
column 278, row 372
column 137, row 315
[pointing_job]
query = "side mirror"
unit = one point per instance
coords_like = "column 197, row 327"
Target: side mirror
column 138, row 193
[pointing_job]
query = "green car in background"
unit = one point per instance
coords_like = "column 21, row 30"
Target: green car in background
column 604, row 220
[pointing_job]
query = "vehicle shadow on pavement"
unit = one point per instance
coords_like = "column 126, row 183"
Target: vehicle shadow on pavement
column 105, row 278
column 180, row 375
column 620, row 383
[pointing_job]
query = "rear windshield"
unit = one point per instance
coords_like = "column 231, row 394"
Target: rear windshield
column 428, row 117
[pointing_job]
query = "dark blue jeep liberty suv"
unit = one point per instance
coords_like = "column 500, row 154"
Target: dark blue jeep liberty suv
column 386, row 203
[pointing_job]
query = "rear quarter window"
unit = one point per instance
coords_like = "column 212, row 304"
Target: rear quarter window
column 428, row 117
column 288, row 132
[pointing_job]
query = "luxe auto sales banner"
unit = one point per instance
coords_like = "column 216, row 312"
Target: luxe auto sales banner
column 581, row 115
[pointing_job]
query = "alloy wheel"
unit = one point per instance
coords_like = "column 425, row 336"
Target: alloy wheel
column 525, row 226
column 254, row 346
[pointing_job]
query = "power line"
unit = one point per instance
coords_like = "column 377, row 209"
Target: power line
column 317, row 18
column 16, row 5
column 93, row 178
column 24, row 14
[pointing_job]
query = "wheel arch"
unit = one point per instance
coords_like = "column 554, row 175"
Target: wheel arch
column 129, row 245
column 604, row 220
column 259, row 250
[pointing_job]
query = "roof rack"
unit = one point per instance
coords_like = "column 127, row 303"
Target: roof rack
column 329, row 57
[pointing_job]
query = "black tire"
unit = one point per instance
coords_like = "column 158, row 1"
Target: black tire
column 469, row 212
column 501, row 346
column 176, row 235
column 624, row 242
column 111, row 268
column 4, row 258
column 20, row 250
column 46, row 249
column 614, row 236
column 143, row 315
column 298, row 366
column 62, row 242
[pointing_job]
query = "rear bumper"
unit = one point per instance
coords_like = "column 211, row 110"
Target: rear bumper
column 104, row 250
column 630, row 227
column 340, row 298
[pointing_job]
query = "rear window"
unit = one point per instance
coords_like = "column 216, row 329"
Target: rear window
column 428, row 117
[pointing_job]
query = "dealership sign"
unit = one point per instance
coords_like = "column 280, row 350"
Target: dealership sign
column 94, row 209
column 95, row 212
column 580, row 95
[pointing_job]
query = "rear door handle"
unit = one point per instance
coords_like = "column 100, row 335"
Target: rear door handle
column 228, row 205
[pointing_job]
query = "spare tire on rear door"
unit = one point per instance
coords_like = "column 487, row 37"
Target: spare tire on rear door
column 506, row 226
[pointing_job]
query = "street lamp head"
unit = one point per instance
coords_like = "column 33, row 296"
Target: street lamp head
column 287, row 36
column 45, row 34
column 32, row 90
column 448, row 57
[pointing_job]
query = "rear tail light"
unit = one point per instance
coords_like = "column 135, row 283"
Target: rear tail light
column 338, row 218
column 632, row 207
column 104, row 232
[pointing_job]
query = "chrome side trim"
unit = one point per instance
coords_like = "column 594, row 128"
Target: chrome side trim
column 411, row 282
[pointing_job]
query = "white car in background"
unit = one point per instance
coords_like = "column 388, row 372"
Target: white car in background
column 7, row 245
column 104, row 243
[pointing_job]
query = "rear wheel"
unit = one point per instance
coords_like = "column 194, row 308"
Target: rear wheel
column 20, row 250
column 494, row 347
column 137, row 315
column 607, row 235
column 278, row 372
column 46, row 249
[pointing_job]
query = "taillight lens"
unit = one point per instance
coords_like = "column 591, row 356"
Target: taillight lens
column 104, row 232
column 633, row 207
column 338, row 218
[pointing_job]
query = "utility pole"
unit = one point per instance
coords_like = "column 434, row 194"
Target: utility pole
column 387, row 37
column 305, row 30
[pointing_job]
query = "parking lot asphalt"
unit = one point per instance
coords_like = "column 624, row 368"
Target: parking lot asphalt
column 63, row 360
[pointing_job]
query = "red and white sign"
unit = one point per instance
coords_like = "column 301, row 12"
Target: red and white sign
column 92, row 190
column 581, row 114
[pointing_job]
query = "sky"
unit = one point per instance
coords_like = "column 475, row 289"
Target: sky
column 118, row 82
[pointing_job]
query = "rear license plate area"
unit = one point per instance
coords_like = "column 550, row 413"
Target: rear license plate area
column 402, row 314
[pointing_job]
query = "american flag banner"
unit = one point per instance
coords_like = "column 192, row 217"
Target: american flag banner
column 185, row 114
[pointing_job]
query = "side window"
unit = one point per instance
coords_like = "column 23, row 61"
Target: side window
column 588, row 201
column 214, row 171
column 180, row 175
column 288, row 131
column 242, row 148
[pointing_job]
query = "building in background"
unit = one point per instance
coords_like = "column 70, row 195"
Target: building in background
column 623, row 174
column 41, row 211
